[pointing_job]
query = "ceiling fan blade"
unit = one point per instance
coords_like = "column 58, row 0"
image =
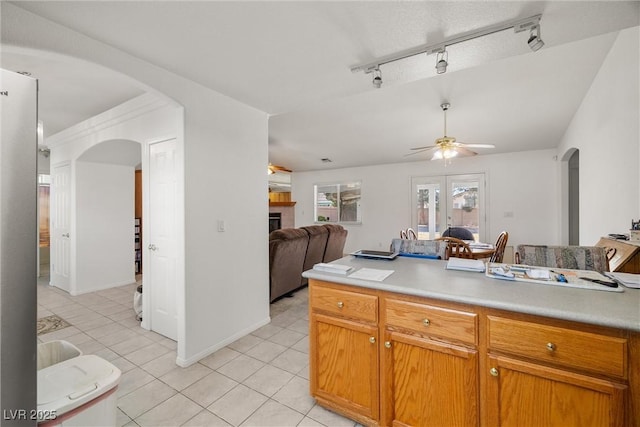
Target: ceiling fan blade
column 421, row 150
column 424, row 148
column 275, row 168
column 476, row 145
column 462, row 151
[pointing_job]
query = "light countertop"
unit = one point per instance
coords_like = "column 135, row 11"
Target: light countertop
column 429, row 278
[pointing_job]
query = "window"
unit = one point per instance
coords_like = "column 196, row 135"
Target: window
column 337, row 202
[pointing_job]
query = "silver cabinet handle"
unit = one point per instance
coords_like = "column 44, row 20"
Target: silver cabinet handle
column 153, row 247
column 65, row 235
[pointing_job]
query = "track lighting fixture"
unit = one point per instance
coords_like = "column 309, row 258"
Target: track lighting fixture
column 441, row 62
column 377, row 78
column 535, row 42
column 531, row 24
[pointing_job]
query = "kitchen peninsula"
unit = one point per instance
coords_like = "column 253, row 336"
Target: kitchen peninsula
column 434, row 347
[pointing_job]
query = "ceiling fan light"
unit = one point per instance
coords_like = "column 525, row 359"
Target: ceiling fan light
column 437, row 155
column 449, row 153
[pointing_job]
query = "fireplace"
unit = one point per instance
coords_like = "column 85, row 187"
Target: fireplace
column 275, row 221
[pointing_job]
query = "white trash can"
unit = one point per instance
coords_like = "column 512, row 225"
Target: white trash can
column 52, row 352
column 80, row 391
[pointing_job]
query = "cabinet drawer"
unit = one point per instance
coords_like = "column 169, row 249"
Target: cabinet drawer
column 344, row 303
column 567, row 347
column 432, row 321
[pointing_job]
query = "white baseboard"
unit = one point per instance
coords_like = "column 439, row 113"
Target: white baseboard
column 212, row 349
column 103, row 287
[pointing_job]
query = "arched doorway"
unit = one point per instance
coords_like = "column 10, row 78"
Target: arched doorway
column 571, row 195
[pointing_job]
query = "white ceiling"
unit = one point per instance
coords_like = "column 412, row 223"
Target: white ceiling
column 293, row 60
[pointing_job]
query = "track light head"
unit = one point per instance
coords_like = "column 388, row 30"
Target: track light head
column 535, row 42
column 441, row 62
column 377, row 78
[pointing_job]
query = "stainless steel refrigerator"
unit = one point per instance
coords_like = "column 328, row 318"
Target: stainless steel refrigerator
column 18, row 247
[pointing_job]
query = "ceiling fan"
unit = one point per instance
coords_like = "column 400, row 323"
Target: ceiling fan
column 275, row 168
column 447, row 147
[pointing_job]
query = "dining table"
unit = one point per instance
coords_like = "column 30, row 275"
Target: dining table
column 481, row 250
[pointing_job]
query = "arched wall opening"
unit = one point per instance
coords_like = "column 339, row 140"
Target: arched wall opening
column 570, row 196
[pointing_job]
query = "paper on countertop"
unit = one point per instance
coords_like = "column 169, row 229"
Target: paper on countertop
column 502, row 272
column 539, row 274
column 465, row 264
column 627, row 279
column 371, row 274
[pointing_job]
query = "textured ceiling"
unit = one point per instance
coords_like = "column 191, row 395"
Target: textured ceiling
column 293, row 59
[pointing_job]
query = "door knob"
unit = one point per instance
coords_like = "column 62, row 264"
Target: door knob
column 153, row 247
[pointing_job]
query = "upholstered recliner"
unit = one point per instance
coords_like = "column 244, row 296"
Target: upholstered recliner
column 335, row 242
column 572, row 257
column 287, row 251
column 318, row 236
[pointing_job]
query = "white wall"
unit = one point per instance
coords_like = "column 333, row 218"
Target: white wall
column 104, row 226
column 226, row 289
column 606, row 130
column 522, row 183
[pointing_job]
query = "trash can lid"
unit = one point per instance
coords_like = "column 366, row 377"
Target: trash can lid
column 70, row 384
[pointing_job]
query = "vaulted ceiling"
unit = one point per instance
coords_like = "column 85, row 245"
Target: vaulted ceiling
column 293, row 59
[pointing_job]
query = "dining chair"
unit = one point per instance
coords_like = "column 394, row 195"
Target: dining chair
column 501, row 243
column 572, row 257
column 411, row 234
column 456, row 248
column 408, row 234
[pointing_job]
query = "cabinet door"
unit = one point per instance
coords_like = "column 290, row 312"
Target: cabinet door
column 428, row 383
column 344, row 364
column 526, row 394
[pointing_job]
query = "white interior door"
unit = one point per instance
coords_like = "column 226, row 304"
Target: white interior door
column 60, row 220
column 160, row 275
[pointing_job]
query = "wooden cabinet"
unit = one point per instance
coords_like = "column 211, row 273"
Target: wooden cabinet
column 383, row 358
column 528, row 394
column 540, row 374
column 343, row 350
column 624, row 256
column 429, row 365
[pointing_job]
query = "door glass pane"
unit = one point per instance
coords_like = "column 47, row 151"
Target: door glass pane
column 428, row 211
column 465, row 206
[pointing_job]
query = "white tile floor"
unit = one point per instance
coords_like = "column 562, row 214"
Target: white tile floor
column 259, row 380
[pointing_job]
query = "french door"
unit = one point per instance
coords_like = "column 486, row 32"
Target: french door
column 440, row 202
